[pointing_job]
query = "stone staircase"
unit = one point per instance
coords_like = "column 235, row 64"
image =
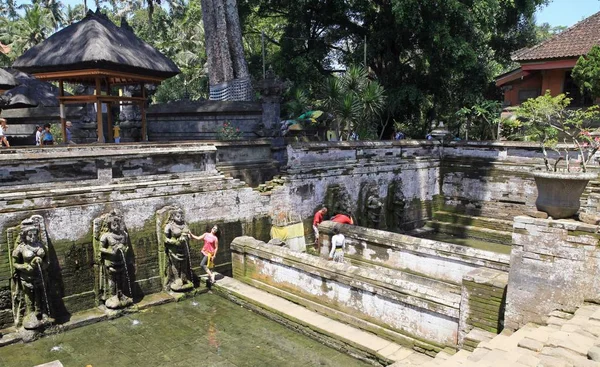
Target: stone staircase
column 568, row 340
column 484, row 233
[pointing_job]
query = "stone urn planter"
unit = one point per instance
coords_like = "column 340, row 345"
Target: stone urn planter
column 559, row 192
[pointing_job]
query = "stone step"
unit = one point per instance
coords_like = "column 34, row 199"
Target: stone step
column 479, row 244
column 476, row 336
column 334, row 333
column 476, row 221
column 468, row 231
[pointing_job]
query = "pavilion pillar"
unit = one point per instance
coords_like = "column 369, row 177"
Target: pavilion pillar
column 143, row 109
column 99, row 111
column 63, row 116
column 109, row 114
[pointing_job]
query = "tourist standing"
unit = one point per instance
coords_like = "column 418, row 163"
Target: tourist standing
column 209, row 250
column 47, row 138
column 38, row 135
column 3, row 128
column 68, row 126
column 338, row 246
column 343, row 219
column 318, row 218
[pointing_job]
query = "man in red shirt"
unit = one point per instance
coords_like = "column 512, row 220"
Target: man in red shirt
column 316, row 221
column 342, row 218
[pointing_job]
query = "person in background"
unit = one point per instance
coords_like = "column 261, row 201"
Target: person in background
column 338, row 246
column 117, row 133
column 47, row 138
column 3, row 128
column 342, row 218
column 38, row 135
column 209, row 250
column 69, row 125
column 399, row 135
column 318, row 218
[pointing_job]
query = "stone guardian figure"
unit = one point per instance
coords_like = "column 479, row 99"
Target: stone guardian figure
column 30, row 281
column 112, row 248
column 176, row 238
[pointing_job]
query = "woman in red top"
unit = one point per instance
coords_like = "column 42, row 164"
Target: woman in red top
column 342, row 218
column 209, row 250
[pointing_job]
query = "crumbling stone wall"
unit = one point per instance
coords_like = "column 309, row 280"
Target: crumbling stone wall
column 138, row 183
column 370, row 298
column 555, row 265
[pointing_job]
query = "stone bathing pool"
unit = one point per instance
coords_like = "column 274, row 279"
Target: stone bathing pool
column 206, row 330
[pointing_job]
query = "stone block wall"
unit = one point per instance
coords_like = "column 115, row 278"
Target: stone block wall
column 344, row 175
column 185, row 177
column 482, row 303
column 370, row 298
column 555, row 265
column 202, row 120
column 433, row 259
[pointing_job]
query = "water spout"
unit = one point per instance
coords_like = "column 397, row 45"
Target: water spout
column 126, row 273
column 44, row 287
column 187, row 246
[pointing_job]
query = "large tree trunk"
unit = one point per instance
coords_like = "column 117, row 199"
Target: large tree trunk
column 234, row 35
column 224, row 50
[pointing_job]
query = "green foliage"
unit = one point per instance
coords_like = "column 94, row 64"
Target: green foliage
column 548, row 121
column 546, row 31
column 480, row 121
column 354, row 101
column 56, row 130
column 433, row 57
column 229, row 132
column 586, row 72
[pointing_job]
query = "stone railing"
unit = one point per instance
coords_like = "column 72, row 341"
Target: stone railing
column 433, row 259
column 377, row 300
column 424, row 314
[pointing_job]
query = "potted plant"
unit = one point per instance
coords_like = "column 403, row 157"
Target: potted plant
column 566, row 132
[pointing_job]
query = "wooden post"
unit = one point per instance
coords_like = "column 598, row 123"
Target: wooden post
column 143, row 108
column 109, row 114
column 99, row 111
column 63, row 117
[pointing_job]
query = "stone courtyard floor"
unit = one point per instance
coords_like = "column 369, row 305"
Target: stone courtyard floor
column 207, row 330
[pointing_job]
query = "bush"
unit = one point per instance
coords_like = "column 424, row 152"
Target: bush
column 229, row 132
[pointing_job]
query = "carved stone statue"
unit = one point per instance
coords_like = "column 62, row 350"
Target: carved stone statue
column 112, row 251
column 176, row 237
column 396, row 203
column 30, row 264
column 373, row 210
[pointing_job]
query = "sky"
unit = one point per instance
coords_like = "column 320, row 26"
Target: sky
column 566, row 12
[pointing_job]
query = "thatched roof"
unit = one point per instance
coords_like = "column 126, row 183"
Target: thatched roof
column 96, row 43
column 7, row 81
column 36, row 92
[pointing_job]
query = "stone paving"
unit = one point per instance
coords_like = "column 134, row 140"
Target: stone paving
column 568, row 340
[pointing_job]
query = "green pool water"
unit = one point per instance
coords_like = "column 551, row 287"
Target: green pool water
column 205, row 331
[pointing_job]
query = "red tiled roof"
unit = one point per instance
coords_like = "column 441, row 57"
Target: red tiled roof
column 573, row 42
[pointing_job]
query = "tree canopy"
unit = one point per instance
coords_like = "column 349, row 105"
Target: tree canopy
column 432, row 57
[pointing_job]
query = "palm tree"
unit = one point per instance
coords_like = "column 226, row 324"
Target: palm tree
column 354, row 100
column 34, row 27
column 73, row 14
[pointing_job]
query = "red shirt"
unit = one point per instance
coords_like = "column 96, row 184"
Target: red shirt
column 341, row 218
column 209, row 243
column 318, row 218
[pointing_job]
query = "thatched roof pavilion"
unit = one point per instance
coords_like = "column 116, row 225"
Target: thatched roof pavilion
column 7, row 81
column 94, row 51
